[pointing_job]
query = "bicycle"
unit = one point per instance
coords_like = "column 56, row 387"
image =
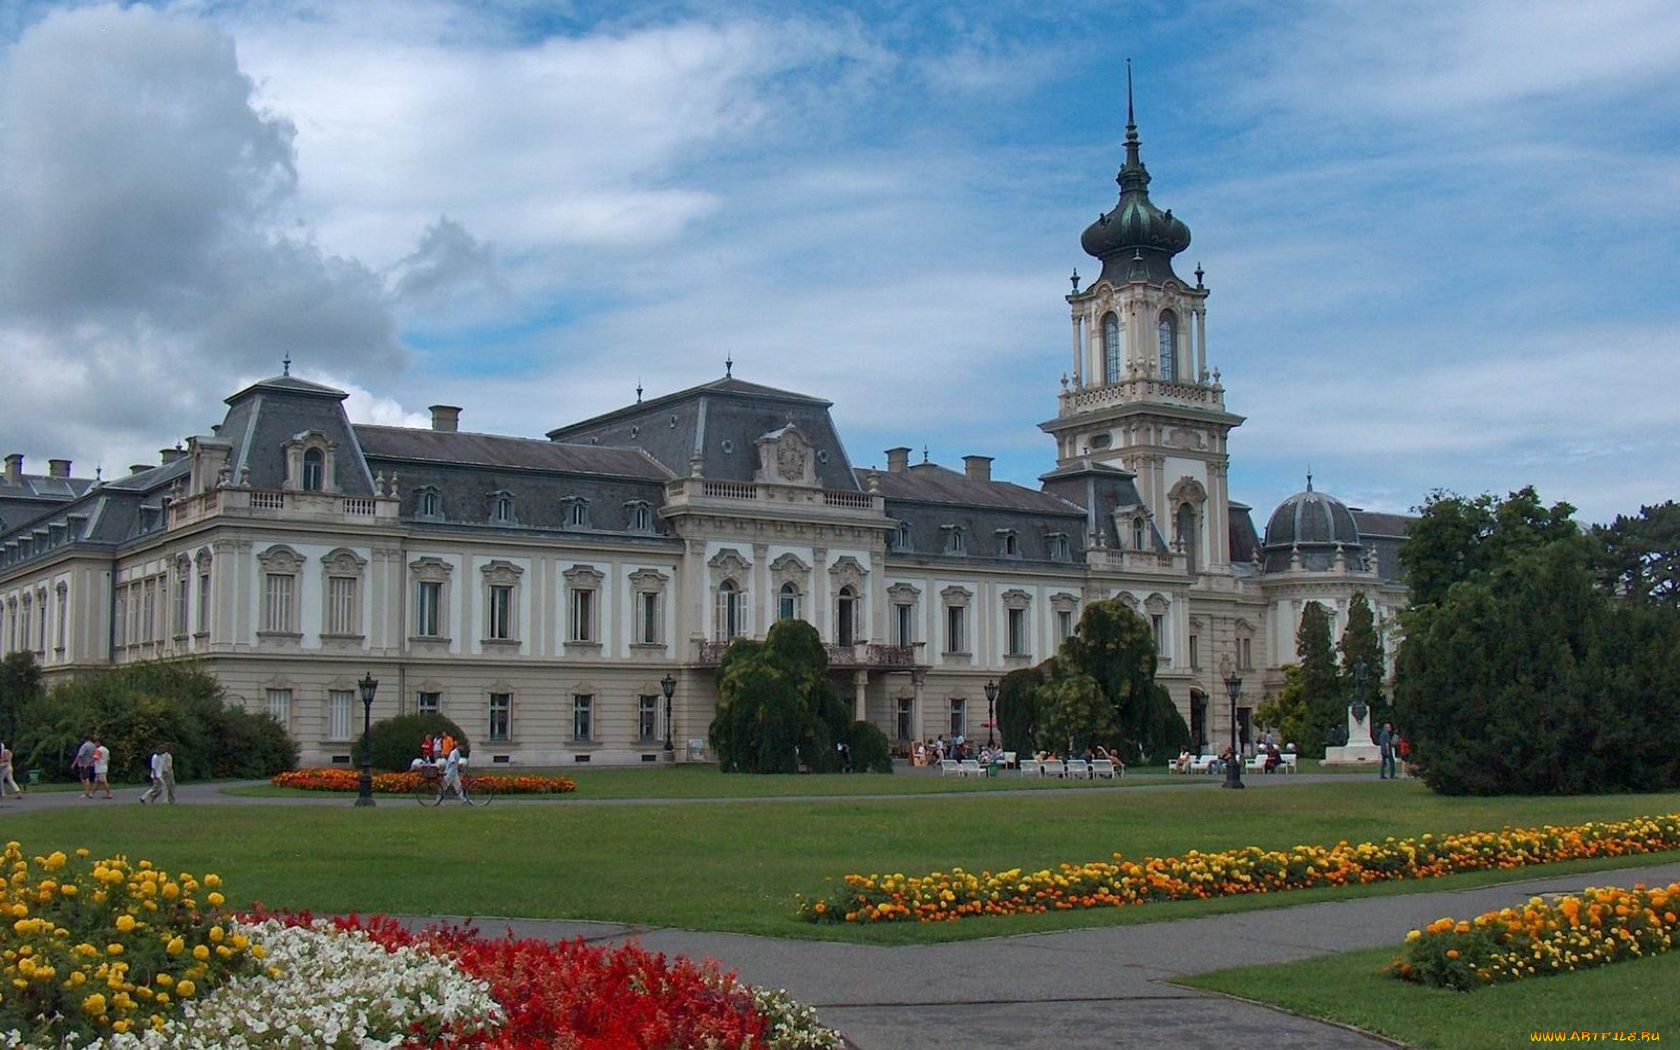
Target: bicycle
column 430, row 789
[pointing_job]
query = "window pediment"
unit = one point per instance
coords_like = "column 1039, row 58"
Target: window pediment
column 343, row 561
column 501, row 573
column 280, row 558
column 954, row 595
column 1016, row 599
column 431, row 570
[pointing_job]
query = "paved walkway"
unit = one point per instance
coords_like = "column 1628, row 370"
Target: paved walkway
column 1089, row 989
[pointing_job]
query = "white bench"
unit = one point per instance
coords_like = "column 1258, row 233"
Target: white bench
column 970, row 767
column 1106, row 769
column 1009, row 758
column 1289, row 765
column 1203, row 763
column 1078, row 769
column 947, row 766
column 1257, row 764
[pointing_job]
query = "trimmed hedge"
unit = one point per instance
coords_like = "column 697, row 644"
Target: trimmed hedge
column 396, row 741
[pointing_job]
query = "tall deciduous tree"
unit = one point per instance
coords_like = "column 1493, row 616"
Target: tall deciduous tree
column 1458, row 536
column 1360, row 647
column 1639, row 557
column 20, row 685
column 777, row 710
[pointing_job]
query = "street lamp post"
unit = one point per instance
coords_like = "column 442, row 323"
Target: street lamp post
column 364, row 790
column 1233, row 768
column 669, row 685
column 991, row 710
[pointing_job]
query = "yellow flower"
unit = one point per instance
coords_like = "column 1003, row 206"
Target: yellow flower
column 125, row 923
column 184, row 988
column 200, row 952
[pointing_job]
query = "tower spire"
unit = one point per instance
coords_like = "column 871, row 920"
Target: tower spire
column 1131, row 121
column 1132, row 158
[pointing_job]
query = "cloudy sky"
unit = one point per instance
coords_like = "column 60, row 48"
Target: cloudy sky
column 1441, row 238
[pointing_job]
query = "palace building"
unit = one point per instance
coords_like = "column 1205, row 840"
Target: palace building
column 538, row 590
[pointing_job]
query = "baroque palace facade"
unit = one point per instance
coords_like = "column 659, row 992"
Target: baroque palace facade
column 538, row 591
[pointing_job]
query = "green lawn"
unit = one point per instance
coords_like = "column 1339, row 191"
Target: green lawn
column 1634, row 996
column 737, row 865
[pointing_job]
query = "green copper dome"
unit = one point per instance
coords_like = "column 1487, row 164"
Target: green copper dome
column 1136, row 239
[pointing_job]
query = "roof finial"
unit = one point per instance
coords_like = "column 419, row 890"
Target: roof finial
column 1199, row 274
column 638, row 391
column 1131, row 121
column 729, row 366
column 1075, row 280
column 1309, row 478
column 924, row 454
column 286, row 365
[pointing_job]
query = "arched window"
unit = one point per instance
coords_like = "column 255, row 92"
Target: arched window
column 787, row 602
column 1137, row 533
column 901, row 537
column 431, row 505
column 1168, row 336
column 1187, row 534
column 501, row 508
column 1111, row 348
column 728, row 610
column 314, row 467
column 845, row 616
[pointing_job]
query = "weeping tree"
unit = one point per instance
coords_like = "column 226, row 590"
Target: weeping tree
column 1114, row 648
column 1017, row 707
column 777, row 710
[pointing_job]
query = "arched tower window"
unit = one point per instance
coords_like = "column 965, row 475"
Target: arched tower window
column 314, row 469
column 1168, row 337
column 728, row 611
column 1137, row 533
column 1187, row 534
column 1111, row 348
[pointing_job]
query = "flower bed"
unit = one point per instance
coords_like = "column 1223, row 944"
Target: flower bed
column 941, row 897
column 1595, row 927
column 118, row 956
column 337, row 778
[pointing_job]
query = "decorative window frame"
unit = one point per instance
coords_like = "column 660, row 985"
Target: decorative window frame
column 204, row 594
column 1130, row 601
column 279, row 560
column 956, row 540
column 343, row 563
column 293, row 450
column 431, row 685
column 957, row 597
column 583, row 578
column 577, row 512
column 727, row 565
column 431, row 569
column 502, row 508
column 572, row 740
column 1008, row 543
column 425, row 494
column 848, row 571
column 61, row 593
column 1017, row 600
column 902, row 595
column 790, row 570
column 343, row 683
column 1156, row 606
column 902, row 539
column 1243, row 634
column 1058, row 547
column 635, row 507
column 277, row 683
column 500, row 687
column 648, row 582
column 500, row 573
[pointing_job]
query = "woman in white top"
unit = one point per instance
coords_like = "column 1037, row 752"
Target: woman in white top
column 6, row 778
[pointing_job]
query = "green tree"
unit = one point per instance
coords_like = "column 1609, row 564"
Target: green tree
column 777, row 710
column 1114, row 647
column 20, row 686
column 1639, row 557
column 1360, row 647
column 1527, row 678
column 1320, row 681
column 1287, row 711
column 1457, row 536
column 1074, row 715
column 1017, row 707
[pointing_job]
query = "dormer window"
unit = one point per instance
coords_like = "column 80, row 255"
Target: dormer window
column 1057, row 542
column 1137, row 533
column 577, row 512
column 314, row 469
column 900, row 539
column 640, row 516
column 1009, row 544
column 956, row 540
column 429, row 504
column 501, row 509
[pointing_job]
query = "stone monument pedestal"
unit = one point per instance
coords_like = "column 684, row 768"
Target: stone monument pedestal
column 1359, row 751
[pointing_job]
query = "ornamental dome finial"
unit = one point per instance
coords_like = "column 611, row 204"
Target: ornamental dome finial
column 1135, row 224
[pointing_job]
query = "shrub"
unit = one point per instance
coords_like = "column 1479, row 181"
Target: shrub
column 870, row 751
column 396, row 741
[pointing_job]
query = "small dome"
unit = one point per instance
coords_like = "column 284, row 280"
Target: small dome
column 1311, row 519
column 1136, row 239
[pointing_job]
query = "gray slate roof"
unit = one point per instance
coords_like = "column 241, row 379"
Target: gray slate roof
column 494, row 450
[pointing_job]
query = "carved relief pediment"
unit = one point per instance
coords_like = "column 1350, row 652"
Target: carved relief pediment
column 785, row 457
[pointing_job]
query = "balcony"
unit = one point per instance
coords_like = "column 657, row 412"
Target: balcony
column 1141, row 388
column 233, row 501
column 685, row 494
column 861, row 656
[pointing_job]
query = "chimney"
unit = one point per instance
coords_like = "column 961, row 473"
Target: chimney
column 446, row 418
column 14, row 468
column 170, row 455
column 58, row 468
column 978, row 468
column 898, row 460
column 139, row 468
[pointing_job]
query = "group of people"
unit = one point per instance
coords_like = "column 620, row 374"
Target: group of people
column 443, row 753
column 933, row 752
column 1090, row 754
column 92, row 766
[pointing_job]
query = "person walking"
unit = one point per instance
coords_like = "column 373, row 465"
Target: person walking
column 163, row 776
column 101, row 769
column 6, row 777
column 83, row 765
column 1387, row 743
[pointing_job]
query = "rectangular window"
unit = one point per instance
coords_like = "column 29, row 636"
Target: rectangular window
column 339, row 706
column 183, row 593
column 341, row 605
column 905, row 729
column 956, row 629
column 647, row 719
column 1158, row 627
column 583, row 616
column 119, row 629
column 500, row 613
column 647, row 618
column 1195, row 656
column 429, row 703
column 501, row 715
column 63, row 618
column 959, row 718
column 148, row 608
column 428, row 609
column 41, row 625
column 583, row 717
column 1064, row 625
column 1017, row 632
column 280, row 705
column 277, row 602
column 133, row 616
column 904, row 624
column 1245, row 653
column 203, row 603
